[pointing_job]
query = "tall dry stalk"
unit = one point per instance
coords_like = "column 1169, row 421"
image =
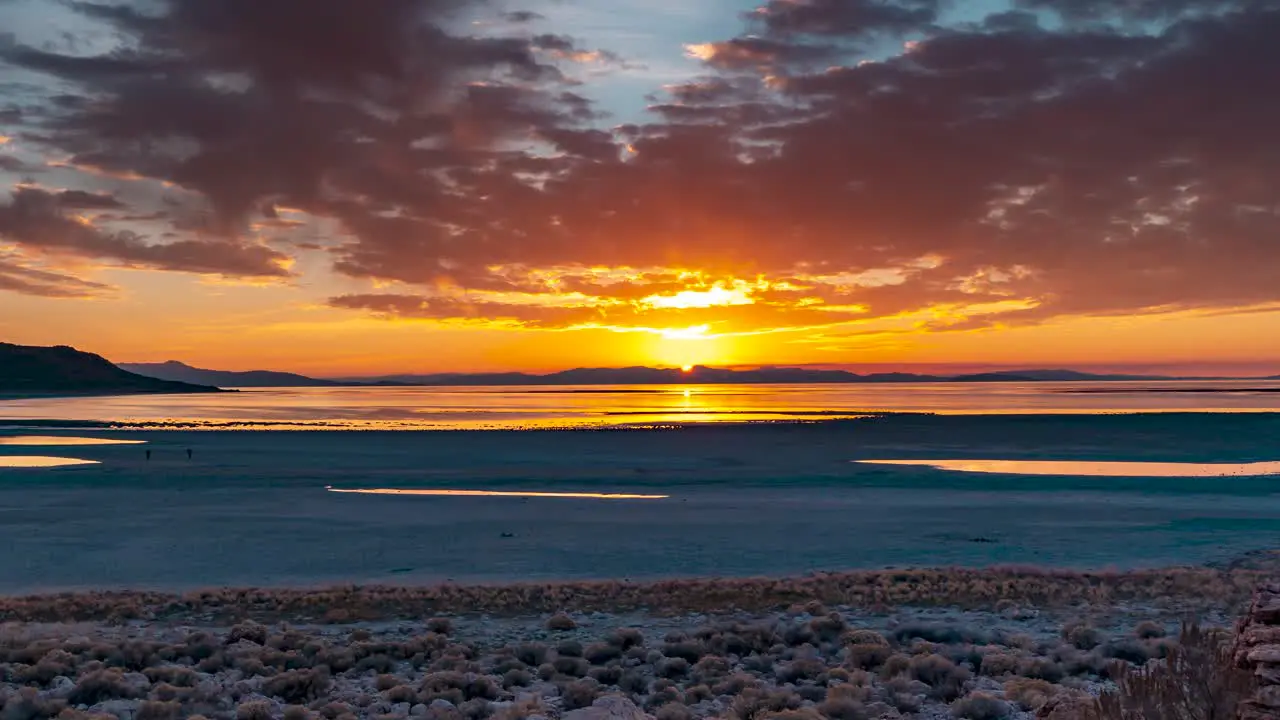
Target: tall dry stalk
column 1197, row 681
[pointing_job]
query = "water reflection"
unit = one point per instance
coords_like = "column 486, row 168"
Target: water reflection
column 38, row 461
column 496, row 493
column 60, row 440
column 522, row 408
column 1092, row 468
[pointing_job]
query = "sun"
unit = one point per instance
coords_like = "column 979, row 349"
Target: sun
column 686, row 368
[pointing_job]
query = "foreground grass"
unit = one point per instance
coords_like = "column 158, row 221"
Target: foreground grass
column 1188, row 589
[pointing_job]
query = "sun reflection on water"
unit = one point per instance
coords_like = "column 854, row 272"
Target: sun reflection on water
column 496, row 493
column 62, row 440
column 1093, row 468
column 37, row 461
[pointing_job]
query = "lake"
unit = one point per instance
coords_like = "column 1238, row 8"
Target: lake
column 602, row 406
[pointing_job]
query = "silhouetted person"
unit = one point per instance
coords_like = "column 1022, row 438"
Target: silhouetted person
column 188, row 453
column 148, row 455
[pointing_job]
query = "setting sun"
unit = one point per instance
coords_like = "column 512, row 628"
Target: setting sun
column 686, row 368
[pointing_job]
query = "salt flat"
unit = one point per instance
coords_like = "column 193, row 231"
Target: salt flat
column 251, row 508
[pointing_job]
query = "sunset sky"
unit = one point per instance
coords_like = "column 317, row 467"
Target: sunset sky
column 340, row 187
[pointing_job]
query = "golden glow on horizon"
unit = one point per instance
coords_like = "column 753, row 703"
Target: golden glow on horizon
column 498, row 493
column 290, row 327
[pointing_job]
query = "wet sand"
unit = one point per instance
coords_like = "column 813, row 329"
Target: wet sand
column 252, row 508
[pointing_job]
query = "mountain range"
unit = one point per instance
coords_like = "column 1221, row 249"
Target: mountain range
column 174, row 370
column 62, row 370
column 180, row 372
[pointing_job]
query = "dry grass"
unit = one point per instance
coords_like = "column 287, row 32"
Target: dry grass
column 1197, row 681
column 966, row 588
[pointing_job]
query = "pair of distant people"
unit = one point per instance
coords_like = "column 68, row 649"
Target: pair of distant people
column 189, row 454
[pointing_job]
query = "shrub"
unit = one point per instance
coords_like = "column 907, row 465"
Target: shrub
column 625, row 638
column 1197, row 680
column 28, row 705
column 862, row 636
column 671, row 667
column 560, row 622
column 531, row 654
column 674, row 711
column 571, row 666
column 828, row 628
column 440, row 625
column 1149, row 630
column 802, row 669
column 1082, row 636
column 843, row 708
column 1028, row 693
column 251, row 631
column 980, row 706
column 569, row 648
column 686, row 649
column 158, row 710
column 295, row 712
column 254, row 710
column 867, row 656
column 634, row 681
column 601, row 653
column 607, row 675
column 710, row 668
column 100, row 685
column 945, row 679
column 753, row 703
column 516, row 678
column 997, row 663
column 298, row 686
column 579, row 693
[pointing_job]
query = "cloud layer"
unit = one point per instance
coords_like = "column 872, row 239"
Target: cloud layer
column 836, row 162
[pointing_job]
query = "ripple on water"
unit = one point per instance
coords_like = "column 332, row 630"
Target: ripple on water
column 1092, row 468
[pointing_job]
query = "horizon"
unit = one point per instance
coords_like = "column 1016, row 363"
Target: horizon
column 337, row 190
column 1243, row 372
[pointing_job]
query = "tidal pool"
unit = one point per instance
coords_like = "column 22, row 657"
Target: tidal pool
column 496, row 493
column 62, row 440
column 1093, row 468
column 40, row 461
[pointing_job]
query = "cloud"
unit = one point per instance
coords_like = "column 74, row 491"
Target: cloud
column 18, row 277
column 34, row 220
column 844, row 161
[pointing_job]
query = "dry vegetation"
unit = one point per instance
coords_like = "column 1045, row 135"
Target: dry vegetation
column 1190, row 588
column 821, row 646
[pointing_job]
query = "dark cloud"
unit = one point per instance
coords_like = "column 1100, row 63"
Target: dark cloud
column 34, row 220
column 82, row 200
column 522, row 16
column 846, row 19
column 844, row 159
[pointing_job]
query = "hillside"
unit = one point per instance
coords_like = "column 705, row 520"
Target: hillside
column 181, row 372
column 27, row 370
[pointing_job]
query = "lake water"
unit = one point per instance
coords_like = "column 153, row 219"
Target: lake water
column 605, row 406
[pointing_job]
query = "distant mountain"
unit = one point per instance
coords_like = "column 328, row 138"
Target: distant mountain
column 181, row 372
column 707, row 375
column 27, row 370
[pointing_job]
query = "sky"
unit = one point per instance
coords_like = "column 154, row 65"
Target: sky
column 346, row 188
